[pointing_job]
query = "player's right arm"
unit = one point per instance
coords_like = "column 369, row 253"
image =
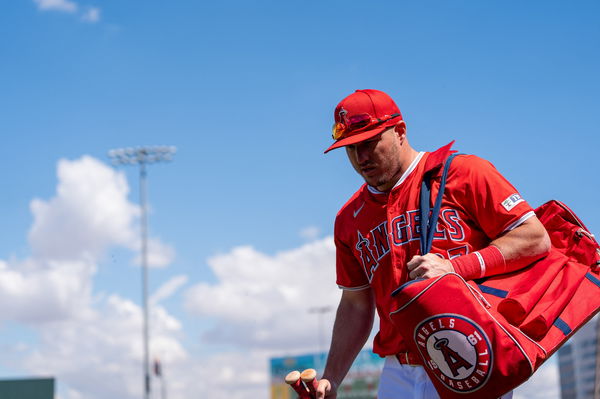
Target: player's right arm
column 352, row 327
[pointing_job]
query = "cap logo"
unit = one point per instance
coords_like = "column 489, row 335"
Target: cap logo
column 456, row 350
column 343, row 114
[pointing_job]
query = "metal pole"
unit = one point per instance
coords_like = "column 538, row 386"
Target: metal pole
column 143, row 156
column 144, row 233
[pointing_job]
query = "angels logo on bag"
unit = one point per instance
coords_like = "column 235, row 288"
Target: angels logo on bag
column 457, row 350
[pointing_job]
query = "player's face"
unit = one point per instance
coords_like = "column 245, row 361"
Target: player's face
column 378, row 160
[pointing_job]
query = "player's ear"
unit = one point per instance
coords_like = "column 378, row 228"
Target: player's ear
column 400, row 129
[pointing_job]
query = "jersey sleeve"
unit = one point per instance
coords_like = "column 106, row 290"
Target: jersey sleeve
column 491, row 200
column 350, row 274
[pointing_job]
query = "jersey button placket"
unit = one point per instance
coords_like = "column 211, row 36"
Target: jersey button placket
column 391, row 211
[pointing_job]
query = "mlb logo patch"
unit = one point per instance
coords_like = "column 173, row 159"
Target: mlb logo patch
column 512, row 201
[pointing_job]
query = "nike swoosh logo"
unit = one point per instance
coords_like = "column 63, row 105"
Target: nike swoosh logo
column 356, row 212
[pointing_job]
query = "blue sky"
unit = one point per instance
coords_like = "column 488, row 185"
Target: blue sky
column 245, row 91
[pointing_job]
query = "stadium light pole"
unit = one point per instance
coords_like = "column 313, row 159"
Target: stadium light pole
column 143, row 156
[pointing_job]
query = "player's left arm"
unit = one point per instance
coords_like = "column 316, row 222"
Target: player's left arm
column 511, row 251
column 495, row 206
column 521, row 246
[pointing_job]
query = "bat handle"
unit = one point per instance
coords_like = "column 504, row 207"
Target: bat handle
column 309, row 377
column 293, row 379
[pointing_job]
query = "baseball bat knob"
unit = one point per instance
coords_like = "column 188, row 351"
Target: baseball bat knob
column 292, row 377
column 308, row 375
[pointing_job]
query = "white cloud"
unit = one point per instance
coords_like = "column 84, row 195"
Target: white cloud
column 91, row 15
column 260, row 307
column 70, row 233
column 159, row 254
column 104, row 345
column 88, row 14
column 168, row 289
column 227, row 375
column 83, row 339
column 262, row 301
column 57, row 5
column 35, row 293
column 89, row 213
column 310, row 233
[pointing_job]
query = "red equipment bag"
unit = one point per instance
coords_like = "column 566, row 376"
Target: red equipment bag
column 481, row 339
column 466, row 348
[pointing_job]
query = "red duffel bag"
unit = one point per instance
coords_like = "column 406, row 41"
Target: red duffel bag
column 483, row 339
column 466, row 348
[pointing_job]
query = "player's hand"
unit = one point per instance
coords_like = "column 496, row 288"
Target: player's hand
column 326, row 389
column 428, row 266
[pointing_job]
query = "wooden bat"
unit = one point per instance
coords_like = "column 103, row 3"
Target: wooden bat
column 293, row 379
column 305, row 383
column 309, row 377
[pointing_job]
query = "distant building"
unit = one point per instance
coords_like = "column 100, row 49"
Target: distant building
column 578, row 362
column 32, row 388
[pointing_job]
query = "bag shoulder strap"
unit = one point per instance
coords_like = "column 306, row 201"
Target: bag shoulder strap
column 428, row 217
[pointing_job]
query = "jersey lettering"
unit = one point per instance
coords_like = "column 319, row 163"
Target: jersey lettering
column 380, row 240
column 372, row 247
column 456, row 231
column 440, row 232
column 366, row 256
column 415, row 225
column 400, row 231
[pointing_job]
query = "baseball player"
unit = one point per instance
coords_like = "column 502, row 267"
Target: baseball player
column 485, row 227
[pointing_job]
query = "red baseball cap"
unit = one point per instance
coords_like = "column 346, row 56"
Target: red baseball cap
column 362, row 115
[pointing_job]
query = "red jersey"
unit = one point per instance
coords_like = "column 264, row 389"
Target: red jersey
column 377, row 233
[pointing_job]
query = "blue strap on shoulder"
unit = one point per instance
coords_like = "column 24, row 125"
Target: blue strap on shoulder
column 428, row 217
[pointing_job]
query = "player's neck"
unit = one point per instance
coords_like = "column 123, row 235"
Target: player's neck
column 407, row 157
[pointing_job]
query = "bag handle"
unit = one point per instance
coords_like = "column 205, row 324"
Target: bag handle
column 428, row 222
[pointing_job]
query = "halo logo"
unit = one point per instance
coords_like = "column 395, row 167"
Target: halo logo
column 456, row 350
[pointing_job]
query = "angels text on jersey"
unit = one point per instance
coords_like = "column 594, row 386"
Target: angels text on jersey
column 375, row 244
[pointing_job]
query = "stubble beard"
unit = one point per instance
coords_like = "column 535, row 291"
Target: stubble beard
column 379, row 182
column 387, row 179
column 384, row 182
